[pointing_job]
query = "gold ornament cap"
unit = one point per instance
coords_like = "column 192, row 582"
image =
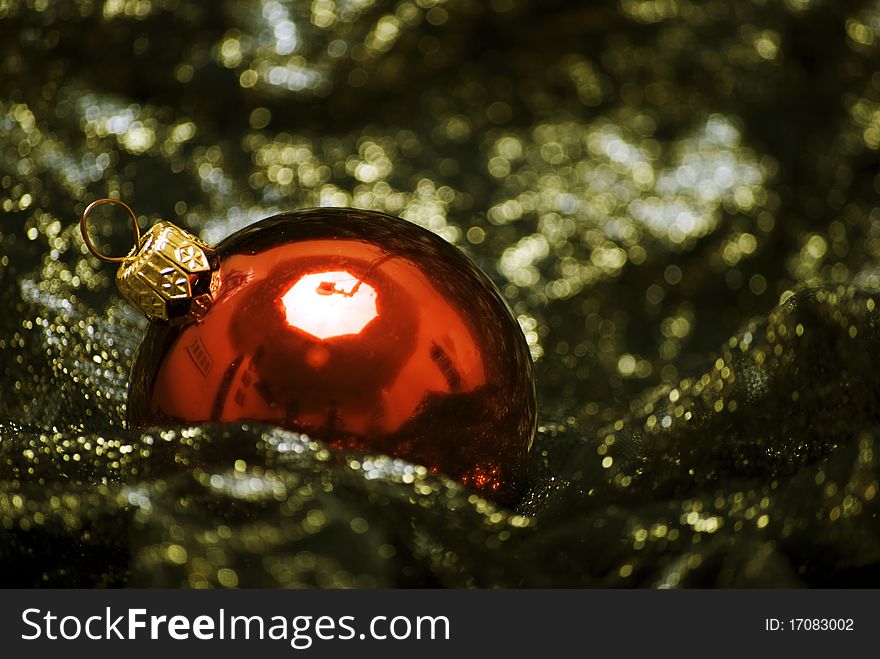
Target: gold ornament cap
column 169, row 275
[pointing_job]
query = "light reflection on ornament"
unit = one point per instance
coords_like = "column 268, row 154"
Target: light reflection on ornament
column 330, row 304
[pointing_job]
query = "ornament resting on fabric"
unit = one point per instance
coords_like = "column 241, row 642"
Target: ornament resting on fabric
column 355, row 327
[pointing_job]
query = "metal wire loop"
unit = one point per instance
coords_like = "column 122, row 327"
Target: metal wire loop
column 83, row 226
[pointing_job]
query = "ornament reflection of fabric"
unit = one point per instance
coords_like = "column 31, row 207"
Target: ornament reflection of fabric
column 357, row 328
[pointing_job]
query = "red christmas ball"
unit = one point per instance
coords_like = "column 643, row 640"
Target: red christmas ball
column 359, row 329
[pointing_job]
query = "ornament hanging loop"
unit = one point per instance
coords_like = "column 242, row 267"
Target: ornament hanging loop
column 83, row 227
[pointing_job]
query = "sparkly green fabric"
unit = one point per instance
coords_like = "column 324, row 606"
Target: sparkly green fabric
column 677, row 197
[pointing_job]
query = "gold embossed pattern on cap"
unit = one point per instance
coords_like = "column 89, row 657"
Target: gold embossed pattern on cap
column 171, row 276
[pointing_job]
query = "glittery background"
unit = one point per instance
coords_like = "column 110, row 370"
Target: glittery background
column 677, row 197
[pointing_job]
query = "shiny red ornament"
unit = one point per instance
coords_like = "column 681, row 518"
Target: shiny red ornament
column 359, row 329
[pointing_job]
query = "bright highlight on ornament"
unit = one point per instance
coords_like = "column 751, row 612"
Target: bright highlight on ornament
column 330, row 304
